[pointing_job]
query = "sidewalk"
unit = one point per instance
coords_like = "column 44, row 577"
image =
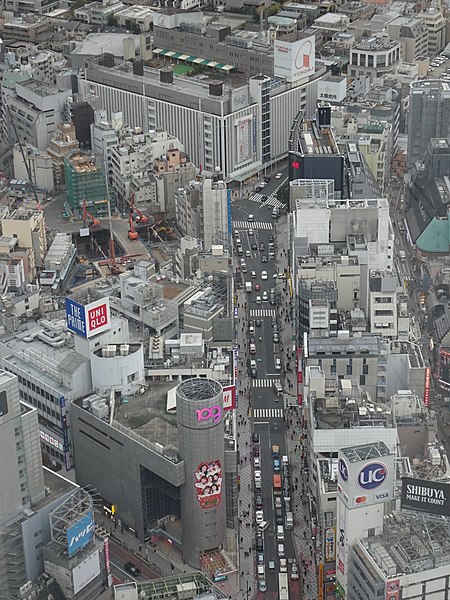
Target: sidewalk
column 300, row 503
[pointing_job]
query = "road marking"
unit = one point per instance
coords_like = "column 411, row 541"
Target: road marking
column 264, row 382
column 263, row 413
column 254, row 226
column 262, row 312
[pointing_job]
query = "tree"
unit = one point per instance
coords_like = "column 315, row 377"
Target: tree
column 112, row 20
column 283, row 193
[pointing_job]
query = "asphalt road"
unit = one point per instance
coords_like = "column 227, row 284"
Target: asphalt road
column 269, row 425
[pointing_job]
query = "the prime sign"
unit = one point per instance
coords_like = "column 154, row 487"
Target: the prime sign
column 88, row 319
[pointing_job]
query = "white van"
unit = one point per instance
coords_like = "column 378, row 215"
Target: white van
column 280, row 533
column 261, row 572
column 280, row 550
column 251, row 218
column 283, row 565
column 263, row 526
column 284, row 461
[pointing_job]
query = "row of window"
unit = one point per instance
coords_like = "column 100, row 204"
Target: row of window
column 35, row 388
column 40, row 406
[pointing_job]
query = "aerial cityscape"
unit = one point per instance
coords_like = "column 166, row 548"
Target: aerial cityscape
column 225, row 300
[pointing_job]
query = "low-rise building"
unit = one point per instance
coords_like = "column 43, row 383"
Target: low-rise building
column 374, row 57
column 412, row 33
column 28, row 227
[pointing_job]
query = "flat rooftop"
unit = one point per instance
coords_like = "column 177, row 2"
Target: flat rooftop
column 56, row 486
column 410, row 543
column 366, row 452
column 314, row 140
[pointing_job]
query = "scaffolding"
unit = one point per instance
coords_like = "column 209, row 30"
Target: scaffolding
column 86, row 181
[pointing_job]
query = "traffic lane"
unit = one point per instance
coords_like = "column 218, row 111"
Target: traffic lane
column 268, row 506
column 122, row 556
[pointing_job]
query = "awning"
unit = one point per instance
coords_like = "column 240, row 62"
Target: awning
column 212, row 64
column 157, row 50
column 170, row 53
column 227, row 67
column 198, row 61
column 183, row 56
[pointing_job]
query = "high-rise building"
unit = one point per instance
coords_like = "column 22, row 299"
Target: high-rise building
column 428, row 117
column 215, row 229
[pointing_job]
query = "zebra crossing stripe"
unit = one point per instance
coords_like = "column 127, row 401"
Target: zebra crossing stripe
column 262, row 312
column 264, row 413
column 246, row 225
column 264, row 382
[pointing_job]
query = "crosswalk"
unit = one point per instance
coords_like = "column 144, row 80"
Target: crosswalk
column 247, row 225
column 265, row 413
column 272, row 200
column 262, row 312
column 264, row 382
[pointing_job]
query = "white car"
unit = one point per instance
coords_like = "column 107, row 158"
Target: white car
column 264, row 275
column 294, row 572
column 257, row 475
column 265, row 296
column 253, row 274
column 278, row 175
column 251, row 232
column 259, row 515
column 257, row 462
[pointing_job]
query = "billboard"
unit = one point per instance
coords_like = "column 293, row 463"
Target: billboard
column 244, row 139
column 89, row 319
column 208, row 482
column 363, row 483
column 86, row 571
column 294, row 60
column 330, row 544
column 426, row 388
column 80, row 534
column 426, row 496
column 341, row 546
column 393, row 589
column 229, row 397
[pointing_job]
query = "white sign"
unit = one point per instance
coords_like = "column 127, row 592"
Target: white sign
column 244, row 137
column 294, row 61
column 86, row 571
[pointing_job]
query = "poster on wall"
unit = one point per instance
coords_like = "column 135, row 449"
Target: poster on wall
column 208, row 482
column 244, row 139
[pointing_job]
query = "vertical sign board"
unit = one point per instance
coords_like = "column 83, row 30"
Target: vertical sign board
column 393, row 589
column 229, row 397
column 230, row 223
column 89, row 319
column 426, row 390
column 65, row 433
column 342, row 547
column 80, row 534
column 300, row 376
column 107, row 560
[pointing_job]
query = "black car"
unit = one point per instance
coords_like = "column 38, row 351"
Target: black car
column 279, row 516
column 255, row 438
column 259, row 502
column 254, row 246
column 132, row 569
column 262, row 247
column 259, row 544
column 271, row 238
column 264, row 258
column 258, row 322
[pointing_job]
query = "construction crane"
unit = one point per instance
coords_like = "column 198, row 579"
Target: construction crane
column 94, row 221
column 132, row 234
column 24, row 158
column 140, row 217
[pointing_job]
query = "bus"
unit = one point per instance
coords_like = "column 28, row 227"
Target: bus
column 277, row 484
column 283, row 586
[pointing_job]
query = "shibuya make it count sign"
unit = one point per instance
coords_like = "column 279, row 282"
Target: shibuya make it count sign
column 426, row 496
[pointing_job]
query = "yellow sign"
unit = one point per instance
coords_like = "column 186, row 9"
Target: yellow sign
column 320, row 582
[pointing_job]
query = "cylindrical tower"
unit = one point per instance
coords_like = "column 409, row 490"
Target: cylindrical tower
column 201, row 446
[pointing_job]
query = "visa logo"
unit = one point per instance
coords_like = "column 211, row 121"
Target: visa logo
column 382, row 496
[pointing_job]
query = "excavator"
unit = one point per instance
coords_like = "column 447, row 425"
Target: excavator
column 94, row 221
column 132, row 234
column 140, row 217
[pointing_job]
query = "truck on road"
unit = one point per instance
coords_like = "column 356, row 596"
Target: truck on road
column 248, row 287
column 277, row 484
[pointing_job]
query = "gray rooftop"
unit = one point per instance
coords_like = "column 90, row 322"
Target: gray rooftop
column 366, row 452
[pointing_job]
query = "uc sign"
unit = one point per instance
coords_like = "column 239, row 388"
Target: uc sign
column 372, row 476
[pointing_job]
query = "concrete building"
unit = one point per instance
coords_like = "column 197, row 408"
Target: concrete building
column 28, row 493
column 383, row 316
column 429, row 102
column 28, row 227
column 147, row 453
column 29, row 28
column 24, row 7
column 374, row 57
column 58, row 262
column 62, row 143
column 39, row 163
column 37, row 109
column 214, row 212
column 435, row 24
column 139, row 16
column 331, row 23
column 412, row 33
column 199, row 110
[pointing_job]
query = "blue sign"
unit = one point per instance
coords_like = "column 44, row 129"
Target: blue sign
column 372, row 476
column 76, row 317
column 80, row 534
column 343, row 470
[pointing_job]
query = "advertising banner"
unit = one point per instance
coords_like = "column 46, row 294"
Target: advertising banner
column 80, row 534
column 330, row 544
column 426, row 496
column 393, row 590
column 229, row 397
column 295, row 60
column 426, row 389
column 244, row 136
column 208, row 481
column 86, row 572
column 90, row 319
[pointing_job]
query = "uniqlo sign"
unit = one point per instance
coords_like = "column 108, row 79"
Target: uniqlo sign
column 87, row 320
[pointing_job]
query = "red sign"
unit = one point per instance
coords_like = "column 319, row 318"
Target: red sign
column 426, row 391
column 97, row 317
column 296, row 164
column 393, row 589
column 229, row 397
column 299, row 360
column 107, row 561
column 208, row 482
